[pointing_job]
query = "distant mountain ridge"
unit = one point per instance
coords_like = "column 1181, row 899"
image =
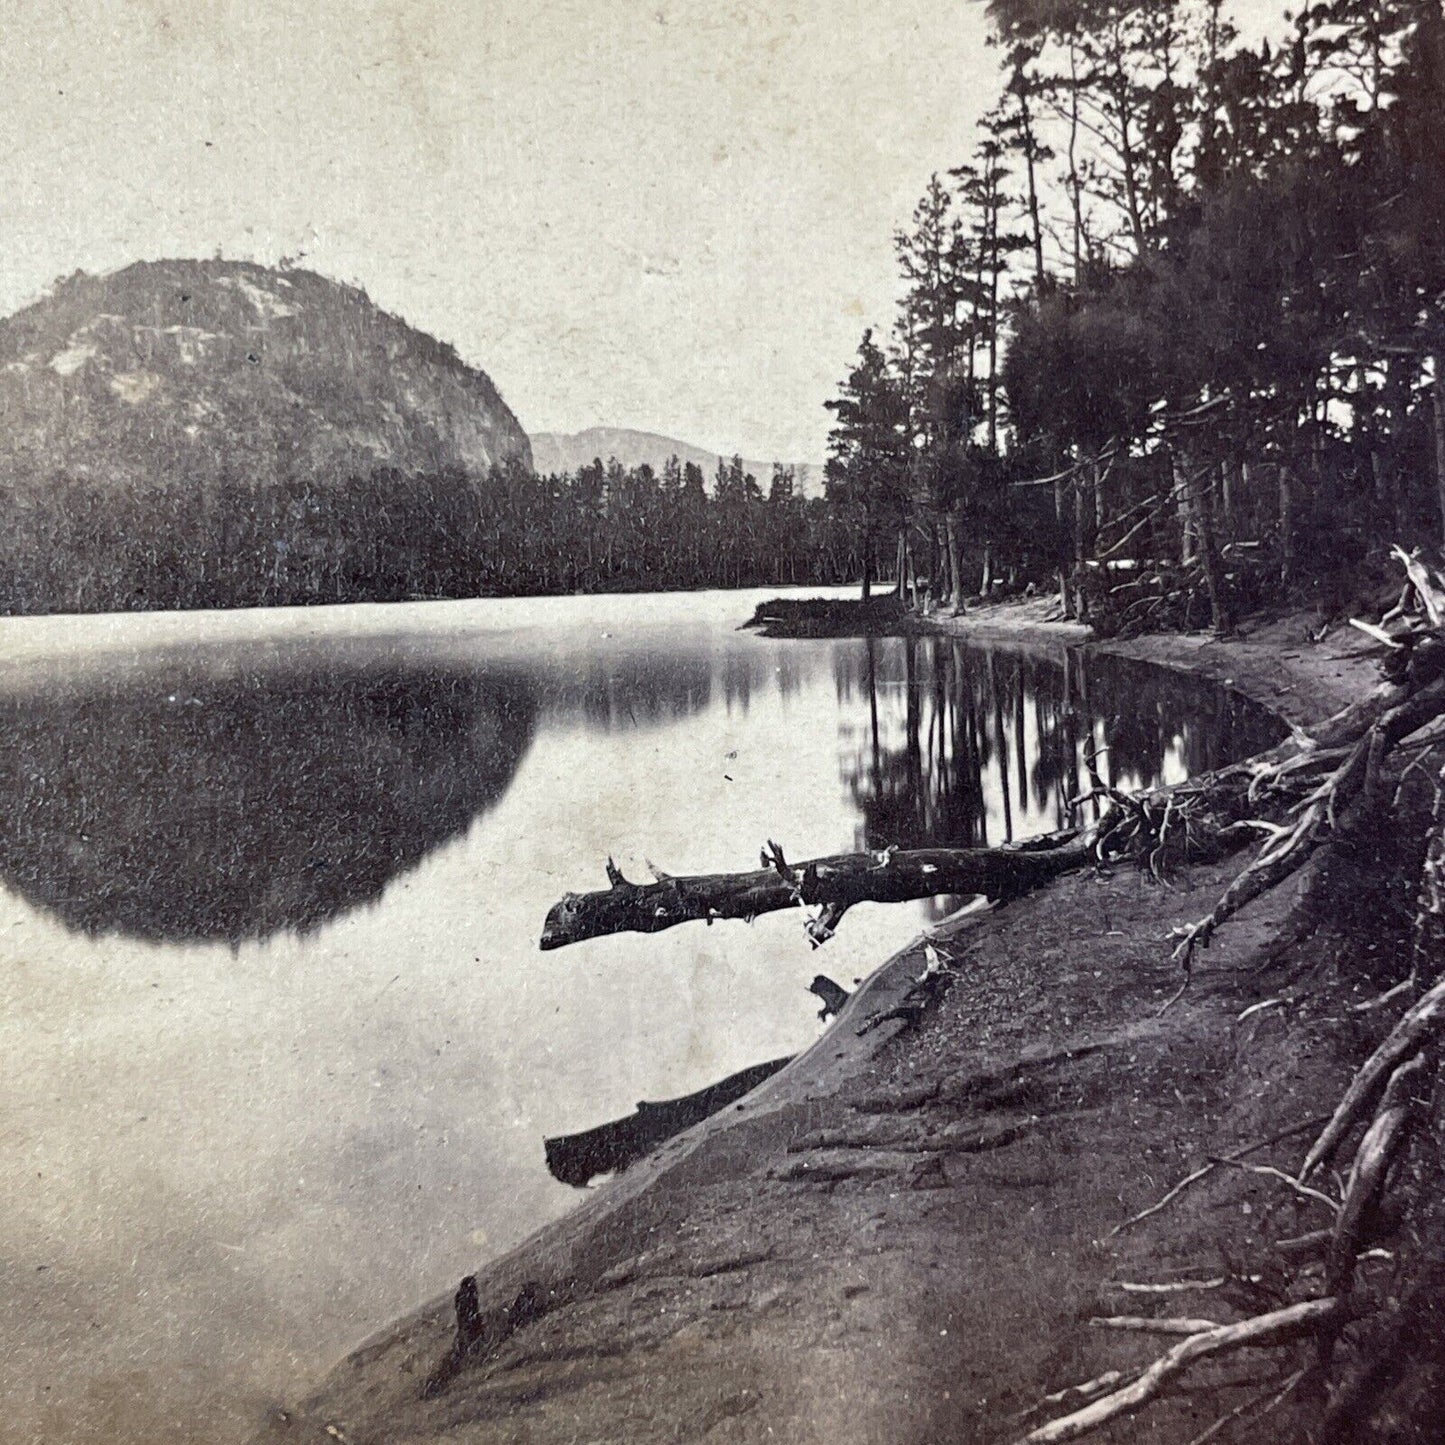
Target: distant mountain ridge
column 567, row 451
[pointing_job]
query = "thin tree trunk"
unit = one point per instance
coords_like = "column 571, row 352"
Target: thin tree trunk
column 1076, row 199
column 955, row 564
column 1126, row 148
column 1230, row 485
column 1286, row 523
column 1066, row 599
column 1398, row 392
column 1437, row 396
column 994, row 205
column 1035, row 223
column 1209, row 555
column 1081, row 600
column 1188, row 526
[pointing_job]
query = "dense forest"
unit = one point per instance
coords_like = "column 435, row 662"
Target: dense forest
column 388, row 535
column 1172, row 339
column 183, row 434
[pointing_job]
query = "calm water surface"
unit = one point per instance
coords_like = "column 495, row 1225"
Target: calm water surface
column 279, row 1048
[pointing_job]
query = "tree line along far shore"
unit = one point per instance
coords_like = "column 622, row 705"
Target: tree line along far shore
column 75, row 544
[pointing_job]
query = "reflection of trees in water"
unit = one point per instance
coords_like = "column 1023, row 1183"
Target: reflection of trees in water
column 612, row 692
column 185, row 807
column 967, row 746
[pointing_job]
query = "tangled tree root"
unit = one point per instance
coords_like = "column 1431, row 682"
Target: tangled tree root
column 1278, row 1327
column 1327, row 788
column 1330, row 787
column 1320, row 1319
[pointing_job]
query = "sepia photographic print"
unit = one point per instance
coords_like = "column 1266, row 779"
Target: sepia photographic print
column 722, row 722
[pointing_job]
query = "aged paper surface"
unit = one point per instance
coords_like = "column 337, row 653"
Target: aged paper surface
column 407, row 408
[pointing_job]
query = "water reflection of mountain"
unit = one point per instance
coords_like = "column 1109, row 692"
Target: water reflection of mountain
column 970, row 746
column 188, row 806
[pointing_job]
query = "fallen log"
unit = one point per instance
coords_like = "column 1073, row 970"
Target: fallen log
column 832, row 884
column 577, row 1159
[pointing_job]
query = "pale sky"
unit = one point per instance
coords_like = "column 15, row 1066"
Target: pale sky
column 670, row 215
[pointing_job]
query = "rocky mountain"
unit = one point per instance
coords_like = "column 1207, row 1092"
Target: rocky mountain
column 566, row 451
column 219, row 434
column 188, row 372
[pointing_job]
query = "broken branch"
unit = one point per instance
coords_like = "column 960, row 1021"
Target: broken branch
column 1275, row 1328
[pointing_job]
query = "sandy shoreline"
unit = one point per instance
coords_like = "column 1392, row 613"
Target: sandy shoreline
column 897, row 1237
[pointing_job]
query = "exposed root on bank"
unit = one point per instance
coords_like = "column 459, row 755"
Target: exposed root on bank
column 1264, row 1402
column 1267, row 1331
column 1389, row 1068
column 1335, row 789
column 1399, row 1074
column 1320, row 1319
column 1205, row 1170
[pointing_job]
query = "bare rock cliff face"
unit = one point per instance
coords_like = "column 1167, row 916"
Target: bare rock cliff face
column 194, row 371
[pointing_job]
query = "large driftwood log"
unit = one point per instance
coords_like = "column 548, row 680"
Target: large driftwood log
column 832, row 884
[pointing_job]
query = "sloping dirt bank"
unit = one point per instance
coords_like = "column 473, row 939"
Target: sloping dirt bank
column 903, row 1236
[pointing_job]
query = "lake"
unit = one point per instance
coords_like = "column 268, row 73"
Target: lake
column 280, row 1049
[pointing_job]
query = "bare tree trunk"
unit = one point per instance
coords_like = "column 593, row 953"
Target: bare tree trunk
column 1127, row 160
column 1066, row 598
column 1231, row 485
column 1437, row 396
column 1188, row 525
column 955, row 565
column 1036, row 229
column 1286, row 523
column 1209, row 554
column 995, row 205
column 1398, row 391
column 1081, row 601
column 1076, row 198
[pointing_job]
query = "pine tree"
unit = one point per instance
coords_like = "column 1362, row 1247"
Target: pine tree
column 868, row 453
